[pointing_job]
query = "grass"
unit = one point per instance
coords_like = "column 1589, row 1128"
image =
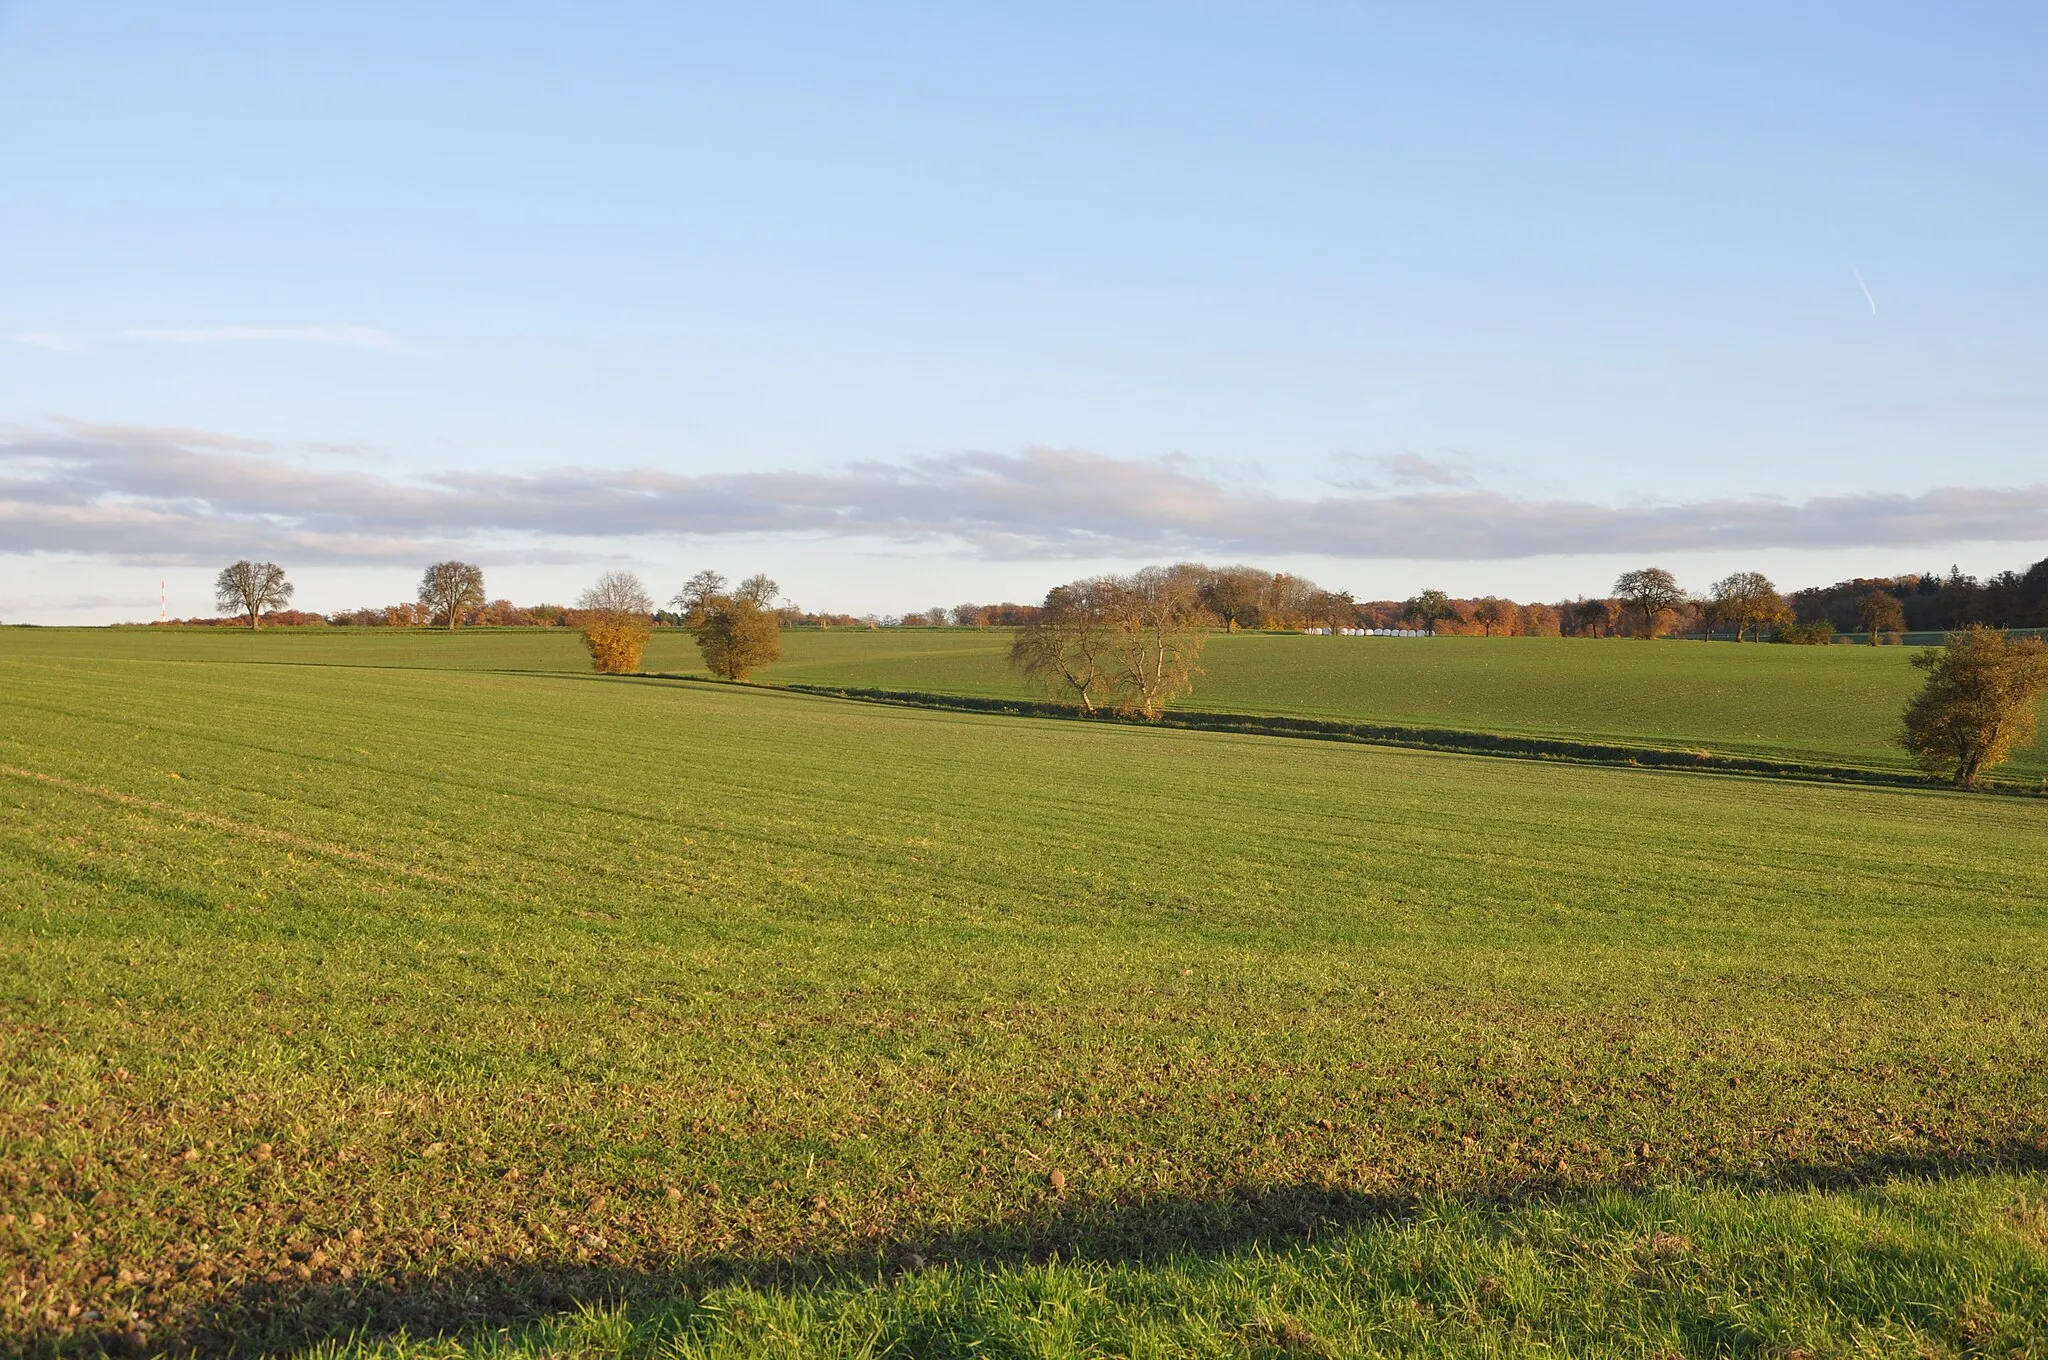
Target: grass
column 363, row 989
column 1831, row 705
column 1661, row 1272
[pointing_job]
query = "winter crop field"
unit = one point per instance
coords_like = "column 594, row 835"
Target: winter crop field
column 1835, row 705
column 362, row 990
column 1838, row 705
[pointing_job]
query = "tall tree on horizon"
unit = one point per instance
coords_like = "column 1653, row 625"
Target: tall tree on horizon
column 452, row 590
column 1748, row 601
column 1653, row 591
column 251, row 588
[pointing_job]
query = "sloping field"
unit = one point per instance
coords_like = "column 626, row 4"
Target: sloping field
column 1835, row 705
column 1830, row 705
column 436, row 993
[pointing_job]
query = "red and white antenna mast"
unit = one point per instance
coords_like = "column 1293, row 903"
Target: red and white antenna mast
column 163, row 602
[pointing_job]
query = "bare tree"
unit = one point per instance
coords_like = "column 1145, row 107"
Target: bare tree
column 1131, row 641
column 617, row 592
column 251, row 588
column 451, row 590
column 1066, row 648
column 1653, row 591
column 1158, row 628
column 758, row 591
column 699, row 588
column 1978, row 703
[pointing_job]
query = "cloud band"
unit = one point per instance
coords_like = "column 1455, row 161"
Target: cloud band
column 156, row 495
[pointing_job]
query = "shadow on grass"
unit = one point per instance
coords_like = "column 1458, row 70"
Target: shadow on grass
column 476, row 1300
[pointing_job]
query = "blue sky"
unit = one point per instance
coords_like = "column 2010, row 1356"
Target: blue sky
column 958, row 302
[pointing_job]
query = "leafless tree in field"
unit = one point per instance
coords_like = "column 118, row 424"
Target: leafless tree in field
column 251, row 588
column 1134, row 642
column 1066, row 648
column 699, row 588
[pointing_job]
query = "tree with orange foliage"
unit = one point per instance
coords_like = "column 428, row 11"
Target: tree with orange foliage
column 615, row 624
column 1495, row 615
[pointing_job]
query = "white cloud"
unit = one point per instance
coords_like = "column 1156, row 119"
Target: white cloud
column 167, row 494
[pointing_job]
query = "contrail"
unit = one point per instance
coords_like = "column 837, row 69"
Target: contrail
column 1864, row 286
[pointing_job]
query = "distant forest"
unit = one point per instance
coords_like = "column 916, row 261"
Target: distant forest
column 1936, row 601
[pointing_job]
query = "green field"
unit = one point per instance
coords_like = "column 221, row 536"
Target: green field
column 1831, row 705
column 362, row 989
column 1835, row 705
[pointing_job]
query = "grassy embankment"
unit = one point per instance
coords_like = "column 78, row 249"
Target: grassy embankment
column 449, row 987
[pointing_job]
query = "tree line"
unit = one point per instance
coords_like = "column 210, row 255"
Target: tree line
column 1132, row 644
column 1647, row 602
column 737, row 629
column 1935, row 601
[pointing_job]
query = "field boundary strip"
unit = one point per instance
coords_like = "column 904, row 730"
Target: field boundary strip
column 1455, row 740
column 233, row 827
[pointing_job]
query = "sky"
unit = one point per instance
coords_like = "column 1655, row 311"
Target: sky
column 908, row 306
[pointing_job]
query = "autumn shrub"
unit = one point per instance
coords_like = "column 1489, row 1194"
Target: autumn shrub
column 614, row 616
column 616, row 643
column 1978, row 702
column 1818, row 633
